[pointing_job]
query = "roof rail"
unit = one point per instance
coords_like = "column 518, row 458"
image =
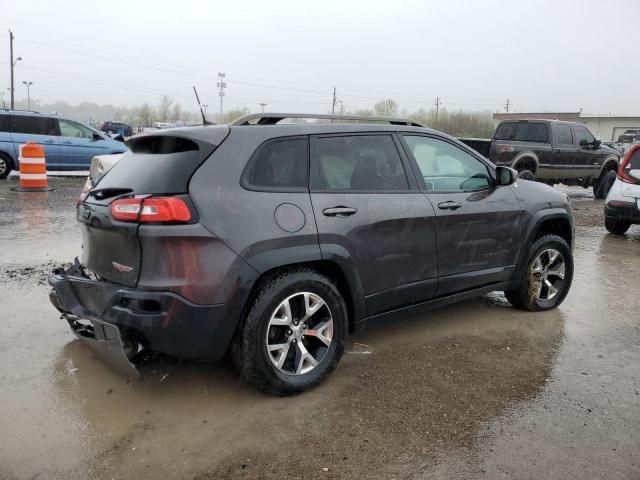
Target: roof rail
column 275, row 118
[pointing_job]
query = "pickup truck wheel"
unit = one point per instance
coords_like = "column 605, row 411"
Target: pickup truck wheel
column 5, row 166
column 548, row 276
column 603, row 185
column 526, row 175
column 293, row 334
column 615, row 226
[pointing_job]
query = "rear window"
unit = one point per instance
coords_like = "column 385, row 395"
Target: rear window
column 523, row 132
column 4, row 123
column 157, row 165
column 278, row 165
column 505, row 131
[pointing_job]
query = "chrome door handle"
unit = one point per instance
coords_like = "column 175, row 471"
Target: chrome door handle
column 339, row 211
column 47, row 141
column 67, row 142
column 449, row 205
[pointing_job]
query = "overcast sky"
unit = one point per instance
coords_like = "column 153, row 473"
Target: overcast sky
column 543, row 55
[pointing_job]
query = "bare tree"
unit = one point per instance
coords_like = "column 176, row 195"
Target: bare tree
column 386, row 108
column 177, row 113
column 164, row 109
column 146, row 115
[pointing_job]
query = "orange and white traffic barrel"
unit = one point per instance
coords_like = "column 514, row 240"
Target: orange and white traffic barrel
column 33, row 169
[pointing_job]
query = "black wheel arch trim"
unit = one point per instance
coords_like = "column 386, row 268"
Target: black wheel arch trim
column 533, row 227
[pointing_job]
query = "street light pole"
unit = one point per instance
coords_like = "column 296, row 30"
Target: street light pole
column 221, row 85
column 204, row 107
column 262, row 105
column 28, row 84
column 4, row 105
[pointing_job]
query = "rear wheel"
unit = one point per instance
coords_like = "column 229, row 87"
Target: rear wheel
column 615, row 226
column 293, row 335
column 548, row 277
column 603, row 184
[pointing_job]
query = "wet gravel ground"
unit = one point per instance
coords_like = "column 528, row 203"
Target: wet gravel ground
column 476, row 390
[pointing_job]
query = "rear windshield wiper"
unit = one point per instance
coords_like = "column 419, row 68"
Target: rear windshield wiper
column 107, row 192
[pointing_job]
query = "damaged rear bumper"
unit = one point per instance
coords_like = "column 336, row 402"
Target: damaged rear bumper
column 113, row 320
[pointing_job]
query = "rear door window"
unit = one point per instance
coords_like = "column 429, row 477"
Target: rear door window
column 33, row 125
column 279, row 165
column 357, row 163
column 531, row 132
column 564, row 134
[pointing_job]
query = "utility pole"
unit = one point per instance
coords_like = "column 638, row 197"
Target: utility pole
column 221, row 85
column 4, row 105
column 506, row 106
column 28, row 84
column 204, row 107
column 437, row 104
column 333, row 104
column 262, row 105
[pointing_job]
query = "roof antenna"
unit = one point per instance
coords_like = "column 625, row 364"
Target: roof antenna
column 204, row 120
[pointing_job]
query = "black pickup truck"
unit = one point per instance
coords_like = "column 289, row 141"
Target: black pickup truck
column 551, row 151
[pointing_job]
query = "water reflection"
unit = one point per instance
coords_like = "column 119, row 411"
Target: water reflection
column 429, row 383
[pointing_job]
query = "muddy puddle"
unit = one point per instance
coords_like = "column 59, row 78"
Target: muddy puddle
column 476, row 390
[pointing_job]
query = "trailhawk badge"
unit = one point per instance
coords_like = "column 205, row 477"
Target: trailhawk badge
column 121, row 268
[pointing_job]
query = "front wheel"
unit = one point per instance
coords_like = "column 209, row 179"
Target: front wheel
column 5, row 166
column 548, row 277
column 293, row 335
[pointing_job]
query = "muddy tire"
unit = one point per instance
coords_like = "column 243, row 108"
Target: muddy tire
column 5, row 166
column 293, row 334
column 615, row 226
column 548, row 275
column 527, row 175
column 603, row 185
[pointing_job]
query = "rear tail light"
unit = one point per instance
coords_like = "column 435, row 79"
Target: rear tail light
column 505, row 148
column 151, row 209
column 623, row 169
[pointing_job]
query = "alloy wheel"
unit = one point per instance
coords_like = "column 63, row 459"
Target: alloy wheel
column 547, row 272
column 299, row 333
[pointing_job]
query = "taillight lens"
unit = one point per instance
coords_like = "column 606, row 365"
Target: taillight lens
column 151, row 209
column 625, row 166
column 505, row 148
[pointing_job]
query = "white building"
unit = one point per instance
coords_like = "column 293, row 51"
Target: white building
column 606, row 126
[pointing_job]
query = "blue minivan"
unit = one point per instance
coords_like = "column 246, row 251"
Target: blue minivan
column 68, row 144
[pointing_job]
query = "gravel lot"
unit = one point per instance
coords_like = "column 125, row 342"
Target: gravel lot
column 477, row 390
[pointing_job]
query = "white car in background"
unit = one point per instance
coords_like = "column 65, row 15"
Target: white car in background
column 622, row 206
column 100, row 164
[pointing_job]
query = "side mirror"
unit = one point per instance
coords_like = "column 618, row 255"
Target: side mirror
column 97, row 136
column 635, row 173
column 596, row 143
column 506, row 176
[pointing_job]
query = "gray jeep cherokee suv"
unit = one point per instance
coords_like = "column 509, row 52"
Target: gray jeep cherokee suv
column 273, row 241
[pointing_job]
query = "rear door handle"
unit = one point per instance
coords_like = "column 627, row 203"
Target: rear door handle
column 47, row 141
column 339, row 211
column 67, row 142
column 449, row 205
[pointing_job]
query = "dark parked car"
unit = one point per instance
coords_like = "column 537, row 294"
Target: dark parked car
column 552, row 151
column 117, row 127
column 630, row 136
column 275, row 241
